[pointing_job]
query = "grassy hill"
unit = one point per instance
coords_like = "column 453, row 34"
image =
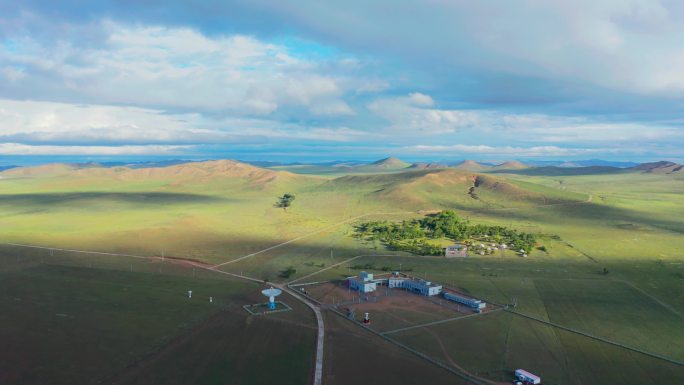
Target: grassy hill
column 449, row 188
column 510, row 165
column 470, row 165
column 427, row 166
column 660, row 168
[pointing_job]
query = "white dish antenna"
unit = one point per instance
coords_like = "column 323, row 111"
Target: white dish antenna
column 271, row 294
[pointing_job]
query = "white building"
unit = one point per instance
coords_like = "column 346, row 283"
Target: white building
column 364, row 283
column 419, row 286
column 472, row 303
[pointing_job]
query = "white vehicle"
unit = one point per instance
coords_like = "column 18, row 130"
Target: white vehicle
column 526, row 377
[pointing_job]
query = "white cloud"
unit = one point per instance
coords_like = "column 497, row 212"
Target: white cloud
column 331, row 108
column 410, row 115
column 53, row 122
column 32, row 123
column 176, row 68
column 419, row 99
column 534, row 151
column 23, row 149
column 628, row 45
column 553, row 129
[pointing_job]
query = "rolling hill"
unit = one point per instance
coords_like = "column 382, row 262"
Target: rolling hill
column 193, row 172
column 427, row 166
column 470, row 165
column 449, row 188
column 50, row 169
column 662, row 167
column 390, row 163
column 510, row 165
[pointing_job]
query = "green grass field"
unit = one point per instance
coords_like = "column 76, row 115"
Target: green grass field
column 630, row 224
column 494, row 345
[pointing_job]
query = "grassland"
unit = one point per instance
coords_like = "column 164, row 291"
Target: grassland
column 494, row 345
column 66, row 323
column 630, row 224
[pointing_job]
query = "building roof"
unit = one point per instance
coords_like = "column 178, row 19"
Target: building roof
column 418, row 280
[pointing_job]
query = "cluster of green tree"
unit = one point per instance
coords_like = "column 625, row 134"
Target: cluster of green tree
column 415, row 246
column 410, row 235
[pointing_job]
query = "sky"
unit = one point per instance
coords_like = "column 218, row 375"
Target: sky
column 307, row 80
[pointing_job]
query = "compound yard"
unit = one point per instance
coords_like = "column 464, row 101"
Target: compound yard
column 389, row 309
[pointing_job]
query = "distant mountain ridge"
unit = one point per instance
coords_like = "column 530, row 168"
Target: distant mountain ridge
column 662, row 167
column 427, row 166
column 204, row 170
column 3, row 168
column 581, row 163
column 187, row 172
column 568, row 169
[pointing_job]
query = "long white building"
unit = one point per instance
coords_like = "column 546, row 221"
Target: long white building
column 365, row 283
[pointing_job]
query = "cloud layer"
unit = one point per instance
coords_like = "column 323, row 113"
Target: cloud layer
column 536, row 80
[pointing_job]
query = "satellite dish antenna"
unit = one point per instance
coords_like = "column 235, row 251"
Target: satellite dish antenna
column 271, row 294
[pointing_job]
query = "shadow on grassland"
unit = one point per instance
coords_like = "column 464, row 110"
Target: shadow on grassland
column 597, row 213
column 563, row 171
column 50, row 199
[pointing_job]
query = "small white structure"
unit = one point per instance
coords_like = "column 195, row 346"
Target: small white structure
column 527, row 377
column 456, row 251
column 364, row 283
column 189, row 293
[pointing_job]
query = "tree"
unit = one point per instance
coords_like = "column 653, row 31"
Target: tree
column 287, row 273
column 285, row 201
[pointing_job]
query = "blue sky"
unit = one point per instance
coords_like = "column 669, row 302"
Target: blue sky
column 310, row 80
